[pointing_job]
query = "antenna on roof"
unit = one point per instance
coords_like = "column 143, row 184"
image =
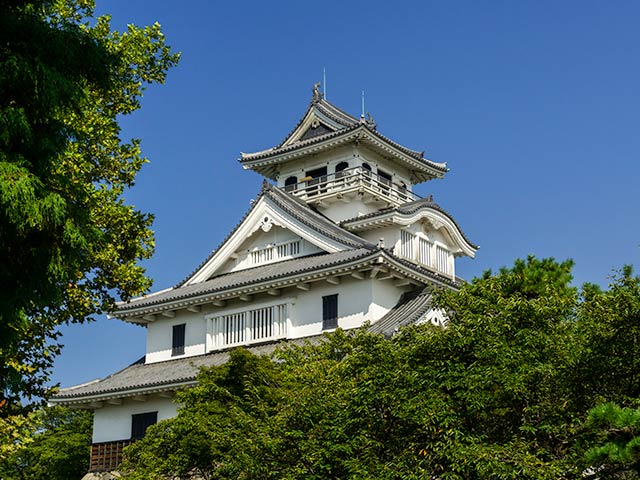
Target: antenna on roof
column 362, row 114
column 324, row 83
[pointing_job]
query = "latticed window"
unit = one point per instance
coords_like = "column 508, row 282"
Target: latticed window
column 178, row 339
column 406, row 244
column 276, row 252
column 424, row 251
column 248, row 326
column 442, row 259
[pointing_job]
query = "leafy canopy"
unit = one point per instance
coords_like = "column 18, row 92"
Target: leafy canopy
column 54, row 445
column 68, row 241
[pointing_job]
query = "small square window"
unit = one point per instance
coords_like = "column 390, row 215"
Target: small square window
column 140, row 422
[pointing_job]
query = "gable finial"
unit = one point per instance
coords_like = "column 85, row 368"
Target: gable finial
column 317, row 95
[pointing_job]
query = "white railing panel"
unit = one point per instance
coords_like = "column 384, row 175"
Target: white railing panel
column 246, row 327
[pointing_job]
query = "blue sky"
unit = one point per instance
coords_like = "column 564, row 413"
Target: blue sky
column 533, row 105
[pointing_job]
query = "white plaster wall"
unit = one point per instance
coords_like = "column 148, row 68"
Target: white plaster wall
column 385, row 297
column 113, row 422
column 160, row 332
column 338, row 211
column 358, row 301
column 354, row 298
column 390, row 235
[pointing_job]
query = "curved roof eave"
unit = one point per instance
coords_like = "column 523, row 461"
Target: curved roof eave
column 415, row 160
column 408, row 211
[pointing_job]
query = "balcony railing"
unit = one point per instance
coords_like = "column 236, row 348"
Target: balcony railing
column 246, row 327
column 352, row 179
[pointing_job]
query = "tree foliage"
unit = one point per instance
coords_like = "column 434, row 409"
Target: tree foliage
column 54, row 445
column 616, row 444
column 506, row 391
column 68, row 241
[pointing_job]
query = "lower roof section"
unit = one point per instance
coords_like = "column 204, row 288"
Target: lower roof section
column 144, row 379
column 411, row 307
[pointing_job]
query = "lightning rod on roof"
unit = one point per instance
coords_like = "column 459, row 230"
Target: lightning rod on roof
column 362, row 114
column 324, row 82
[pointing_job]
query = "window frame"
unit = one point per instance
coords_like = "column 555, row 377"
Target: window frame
column 330, row 312
column 177, row 346
column 140, row 422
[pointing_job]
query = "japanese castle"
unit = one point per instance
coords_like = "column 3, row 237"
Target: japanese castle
column 336, row 238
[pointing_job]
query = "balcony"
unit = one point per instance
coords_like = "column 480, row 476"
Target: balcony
column 352, row 181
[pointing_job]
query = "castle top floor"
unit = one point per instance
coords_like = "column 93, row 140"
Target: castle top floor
column 341, row 164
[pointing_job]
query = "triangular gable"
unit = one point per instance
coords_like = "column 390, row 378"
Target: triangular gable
column 320, row 118
column 274, row 207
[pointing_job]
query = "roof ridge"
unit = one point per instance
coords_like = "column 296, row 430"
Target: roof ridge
column 265, row 188
column 288, row 197
column 301, row 143
column 274, row 193
column 326, row 104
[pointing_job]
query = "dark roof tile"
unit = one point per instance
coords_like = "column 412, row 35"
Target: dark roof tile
column 241, row 278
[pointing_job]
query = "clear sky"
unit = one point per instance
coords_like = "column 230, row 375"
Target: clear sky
column 534, row 105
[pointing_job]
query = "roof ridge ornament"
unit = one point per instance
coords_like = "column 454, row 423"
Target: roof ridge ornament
column 317, row 94
column 370, row 122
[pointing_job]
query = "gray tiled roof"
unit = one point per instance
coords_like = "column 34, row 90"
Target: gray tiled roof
column 301, row 212
column 339, row 116
column 409, row 309
column 263, row 273
column 140, row 376
column 153, row 376
column 343, row 123
column 265, row 154
column 409, row 208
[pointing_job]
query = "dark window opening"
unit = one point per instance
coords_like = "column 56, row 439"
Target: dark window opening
column 329, row 312
column 177, row 344
column 140, row 422
column 384, row 177
column 318, row 175
column 366, row 166
column 340, row 169
column 289, row 184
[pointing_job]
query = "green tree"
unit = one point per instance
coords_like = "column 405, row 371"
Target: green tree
column 56, row 447
column 68, row 241
column 608, row 369
column 219, row 429
column 616, row 442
